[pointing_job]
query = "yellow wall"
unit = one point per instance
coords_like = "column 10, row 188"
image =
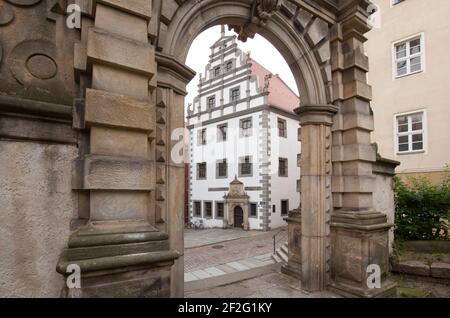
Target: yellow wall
column 429, row 90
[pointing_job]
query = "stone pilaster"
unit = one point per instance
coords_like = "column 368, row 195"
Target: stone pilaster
column 316, row 121
column 359, row 234
column 167, row 149
column 119, row 251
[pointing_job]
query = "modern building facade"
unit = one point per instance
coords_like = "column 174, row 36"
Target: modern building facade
column 410, row 66
column 244, row 143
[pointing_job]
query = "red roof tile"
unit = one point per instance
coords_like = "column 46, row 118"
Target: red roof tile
column 280, row 95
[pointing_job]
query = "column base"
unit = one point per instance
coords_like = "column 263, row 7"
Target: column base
column 388, row 290
column 293, row 270
column 118, row 259
column 360, row 243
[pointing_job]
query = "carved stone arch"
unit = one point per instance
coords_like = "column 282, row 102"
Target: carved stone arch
column 192, row 18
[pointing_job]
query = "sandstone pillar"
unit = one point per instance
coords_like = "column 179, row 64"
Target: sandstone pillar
column 119, row 252
column 167, row 149
column 359, row 234
column 316, row 122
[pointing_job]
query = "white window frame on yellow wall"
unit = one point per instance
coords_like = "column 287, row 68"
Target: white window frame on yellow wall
column 409, row 56
column 410, row 133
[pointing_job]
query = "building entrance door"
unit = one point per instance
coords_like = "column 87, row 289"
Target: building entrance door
column 238, row 217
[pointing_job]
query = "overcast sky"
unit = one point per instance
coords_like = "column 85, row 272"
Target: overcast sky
column 261, row 51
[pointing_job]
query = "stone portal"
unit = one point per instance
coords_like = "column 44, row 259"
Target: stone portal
column 236, row 206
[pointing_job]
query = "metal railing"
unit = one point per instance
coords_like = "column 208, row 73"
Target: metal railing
column 275, row 240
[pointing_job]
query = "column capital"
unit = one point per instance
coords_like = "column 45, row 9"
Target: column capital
column 316, row 114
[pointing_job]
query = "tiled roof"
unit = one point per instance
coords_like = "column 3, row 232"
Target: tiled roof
column 280, row 95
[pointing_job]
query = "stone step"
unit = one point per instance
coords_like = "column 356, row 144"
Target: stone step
column 283, row 256
column 276, row 258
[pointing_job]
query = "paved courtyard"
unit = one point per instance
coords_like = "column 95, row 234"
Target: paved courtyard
column 207, row 248
column 270, row 285
column 196, row 238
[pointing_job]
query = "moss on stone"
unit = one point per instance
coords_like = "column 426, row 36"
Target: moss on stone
column 412, row 292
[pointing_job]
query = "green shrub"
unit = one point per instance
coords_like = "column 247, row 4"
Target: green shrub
column 422, row 210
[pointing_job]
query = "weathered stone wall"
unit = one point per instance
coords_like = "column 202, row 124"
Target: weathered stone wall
column 383, row 195
column 37, row 205
column 383, row 201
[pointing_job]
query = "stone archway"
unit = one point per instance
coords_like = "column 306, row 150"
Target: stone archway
column 133, row 239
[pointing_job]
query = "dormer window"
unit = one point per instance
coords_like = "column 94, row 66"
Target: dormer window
column 235, row 94
column 229, row 66
column 211, row 102
column 217, row 71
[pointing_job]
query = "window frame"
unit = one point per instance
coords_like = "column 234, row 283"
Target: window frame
column 202, row 137
column 286, row 161
column 408, row 57
column 215, row 73
column 194, row 210
column 250, row 210
column 230, row 62
column 238, row 96
column 198, row 171
column 208, row 101
column 281, row 207
column 204, row 210
column 220, row 134
column 249, row 129
column 241, row 162
column 284, row 121
column 218, row 162
column 216, row 210
column 398, row 134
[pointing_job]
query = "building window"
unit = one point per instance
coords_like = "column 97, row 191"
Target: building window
column 284, row 207
column 245, row 167
column 235, row 94
column 201, row 171
column 246, row 127
column 229, row 66
column 217, row 71
column 282, row 167
column 219, row 210
column 410, row 133
column 201, row 138
column 409, row 56
column 282, row 128
column 222, row 169
column 274, row 209
column 253, row 210
column 211, row 102
column 198, row 209
column 208, row 209
column 222, row 131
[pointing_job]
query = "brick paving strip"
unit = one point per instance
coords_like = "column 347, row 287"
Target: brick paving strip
column 223, row 253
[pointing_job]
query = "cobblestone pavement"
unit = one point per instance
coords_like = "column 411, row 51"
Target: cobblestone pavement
column 223, row 252
column 196, row 238
column 272, row 285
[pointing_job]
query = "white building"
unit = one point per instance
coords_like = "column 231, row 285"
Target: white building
column 242, row 129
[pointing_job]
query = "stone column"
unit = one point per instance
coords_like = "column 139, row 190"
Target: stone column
column 119, row 252
column 167, row 150
column 316, row 122
column 359, row 234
